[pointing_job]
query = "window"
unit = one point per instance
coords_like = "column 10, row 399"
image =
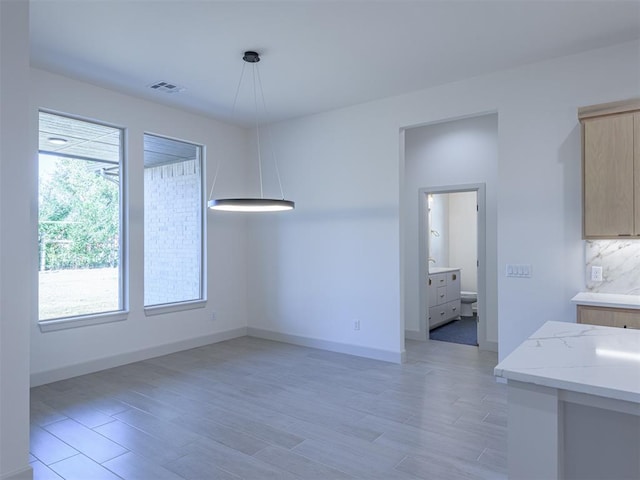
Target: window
column 173, row 233
column 79, row 218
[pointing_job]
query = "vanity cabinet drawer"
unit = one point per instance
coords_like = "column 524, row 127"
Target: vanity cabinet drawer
column 609, row 317
column 441, row 314
column 453, row 308
column 441, row 295
column 434, row 284
column 443, row 287
column 437, row 315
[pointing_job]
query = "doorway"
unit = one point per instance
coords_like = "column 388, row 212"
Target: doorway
column 452, row 263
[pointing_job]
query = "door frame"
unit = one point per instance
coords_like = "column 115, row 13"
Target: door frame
column 481, row 245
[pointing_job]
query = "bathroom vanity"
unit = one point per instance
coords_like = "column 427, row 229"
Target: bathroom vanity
column 574, row 403
column 443, row 287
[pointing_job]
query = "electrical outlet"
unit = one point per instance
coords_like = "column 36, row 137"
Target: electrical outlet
column 596, row 274
column 356, row 325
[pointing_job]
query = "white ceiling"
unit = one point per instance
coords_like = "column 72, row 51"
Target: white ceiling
column 316, row 55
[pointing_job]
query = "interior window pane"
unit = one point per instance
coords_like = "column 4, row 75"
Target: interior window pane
column 79, row 226
column 172, row 221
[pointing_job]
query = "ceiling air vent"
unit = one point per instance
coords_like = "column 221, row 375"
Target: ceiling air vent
column 166, row 87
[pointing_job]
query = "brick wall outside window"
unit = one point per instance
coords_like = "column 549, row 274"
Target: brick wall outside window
column 172, row 224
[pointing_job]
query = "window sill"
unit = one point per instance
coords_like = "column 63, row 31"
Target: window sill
column 82, row 321
column 174, row 307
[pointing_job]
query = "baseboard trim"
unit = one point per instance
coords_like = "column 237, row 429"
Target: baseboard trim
column 62, row 373
column 415, row 335
column 489, row 346
column 356, row 350
column 25, row 473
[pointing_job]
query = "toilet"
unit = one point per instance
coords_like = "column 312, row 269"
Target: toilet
column 467, row 299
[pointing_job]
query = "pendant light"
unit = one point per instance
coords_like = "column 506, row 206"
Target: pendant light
column 260, row 204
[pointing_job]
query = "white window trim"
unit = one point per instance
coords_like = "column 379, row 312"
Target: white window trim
column 122, row 314
column 151, row 310
column 174, row 307
column 81, row 321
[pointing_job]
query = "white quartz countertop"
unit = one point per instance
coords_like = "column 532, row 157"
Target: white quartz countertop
column 595, row 360
column 607, row 300
column 433, row 270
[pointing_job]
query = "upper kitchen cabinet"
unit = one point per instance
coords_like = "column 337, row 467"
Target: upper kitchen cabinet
column 611, row 170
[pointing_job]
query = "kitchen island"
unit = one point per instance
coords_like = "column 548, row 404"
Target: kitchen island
column 574, row 403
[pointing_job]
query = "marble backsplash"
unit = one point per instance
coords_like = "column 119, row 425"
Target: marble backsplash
column 620, row 262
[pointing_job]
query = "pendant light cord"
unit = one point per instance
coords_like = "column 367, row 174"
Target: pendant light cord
column 255, row 104
column 257, row 83
column 233, row 112
column 273, row 153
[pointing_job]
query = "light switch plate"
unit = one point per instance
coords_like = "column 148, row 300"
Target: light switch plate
column 518, row 270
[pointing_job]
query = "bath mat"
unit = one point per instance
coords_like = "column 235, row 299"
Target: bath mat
column 462, row 331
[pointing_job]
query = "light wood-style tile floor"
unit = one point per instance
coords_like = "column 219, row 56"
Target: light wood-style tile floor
column 255, row 409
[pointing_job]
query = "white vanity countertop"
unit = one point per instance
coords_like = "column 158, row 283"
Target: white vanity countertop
column 603, row 361
column 433, row 270
column 607, row 300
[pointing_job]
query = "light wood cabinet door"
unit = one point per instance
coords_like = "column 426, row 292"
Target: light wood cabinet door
column 609, row 176
column 609, row 317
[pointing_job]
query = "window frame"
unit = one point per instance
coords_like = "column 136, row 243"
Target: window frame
column 74, row 321
column 171, row 307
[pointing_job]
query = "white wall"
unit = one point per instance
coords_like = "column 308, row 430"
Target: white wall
column 454, row 153
column 340, row 255
column 16, row 169
column 334, row 259
column 463, row 234
column 62, row 353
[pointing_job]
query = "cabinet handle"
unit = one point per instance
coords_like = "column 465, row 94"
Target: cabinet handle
column 454, row 309
column 624, row 234
column 453, row 277
column 429, row 282
column 442, row 296
column 441, row 313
